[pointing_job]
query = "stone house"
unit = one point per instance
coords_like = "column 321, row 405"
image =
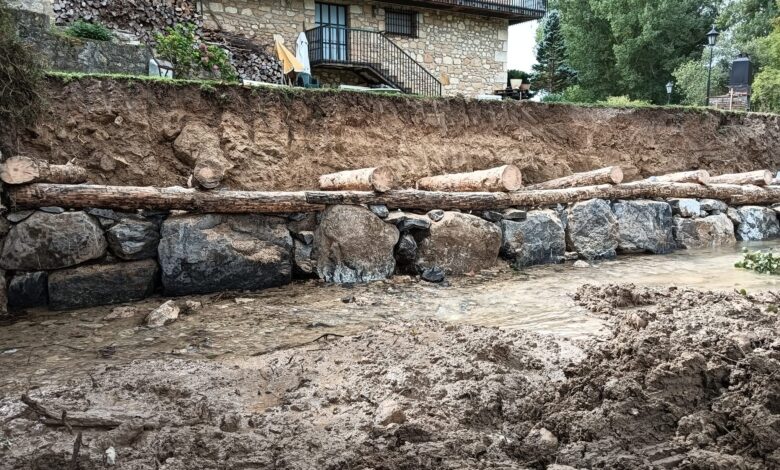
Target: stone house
column 429, row 47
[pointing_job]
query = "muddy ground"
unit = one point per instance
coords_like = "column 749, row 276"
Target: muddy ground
column 125, row 131
column 685, row 379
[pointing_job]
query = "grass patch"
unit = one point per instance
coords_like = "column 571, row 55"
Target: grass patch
column 764, row 262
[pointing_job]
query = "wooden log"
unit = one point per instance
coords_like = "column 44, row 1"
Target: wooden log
column 607, row 175
column 759, row 178
column 379, row 179
column 695, row 176
column 20, row 170
column 503, row 178
column 133, row 197
column 175, row 198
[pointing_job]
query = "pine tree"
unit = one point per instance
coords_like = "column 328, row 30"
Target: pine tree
column 552, row 73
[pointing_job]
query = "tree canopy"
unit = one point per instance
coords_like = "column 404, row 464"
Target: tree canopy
column 552, row 72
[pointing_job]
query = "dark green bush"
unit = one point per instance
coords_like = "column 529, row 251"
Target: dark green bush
column 83, row 29
column 21, row 80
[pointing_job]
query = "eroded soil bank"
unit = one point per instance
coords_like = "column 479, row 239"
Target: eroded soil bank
column 125, row 132
column 685, row 378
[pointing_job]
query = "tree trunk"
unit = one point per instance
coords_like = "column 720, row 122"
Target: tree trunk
column 696, row 176
column 413, row 199
column 503, row 178
column 759, row 177
column 379, row 179
column 19, row 170
column 608, row 175
column 175, row 198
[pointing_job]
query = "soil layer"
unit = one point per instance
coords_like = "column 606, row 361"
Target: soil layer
column 124, row 131
column 687, row 379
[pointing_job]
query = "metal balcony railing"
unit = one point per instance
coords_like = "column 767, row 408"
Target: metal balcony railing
column 371, row 50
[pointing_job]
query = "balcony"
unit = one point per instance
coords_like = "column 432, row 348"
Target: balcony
column 516, row 11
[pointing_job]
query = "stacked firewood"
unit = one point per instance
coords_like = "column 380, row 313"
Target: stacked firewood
column 143, row 18
column 252, row 60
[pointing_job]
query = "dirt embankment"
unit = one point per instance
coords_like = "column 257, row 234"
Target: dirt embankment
column 124, row 132
column 689, row 379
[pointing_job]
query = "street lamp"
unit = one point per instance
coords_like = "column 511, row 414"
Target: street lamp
column 669, row 88
column 712, row 37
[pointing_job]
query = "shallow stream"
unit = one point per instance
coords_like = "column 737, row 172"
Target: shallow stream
column 46, row 346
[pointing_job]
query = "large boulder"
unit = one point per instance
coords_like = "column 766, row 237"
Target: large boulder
column 757, row 223
column 28, row 290
column 133, row 239
column 644, row 227
column 214, row 252
column 352, row 244
column 101, row 284
column 686, row 207
column 460, row 243
column 539, row 239
column 592, row 229
column 710, row 231
column 53, row 241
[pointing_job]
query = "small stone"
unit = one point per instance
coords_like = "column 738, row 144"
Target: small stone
column 389, row 412
column 162, row 315
column 192, row 306
column 436, row 215
column 432, row 274
column 492, row 216
column 406, row 250
column 380, row 210
column 406, row 221
column 306, row 237
column 52, row 210
column 570, row 256
column 120, row 313
column 734, row 215
column 110, row 456
column 685, row 207
column 713, row 206
column 134, row 239
column 514, row 214
column 297, row 216
column 348, row 299
column 581, row 264
column 16, row 217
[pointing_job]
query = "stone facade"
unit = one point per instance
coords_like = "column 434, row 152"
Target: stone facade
column 469, row 52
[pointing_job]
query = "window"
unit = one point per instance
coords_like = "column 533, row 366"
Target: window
column 402, row 23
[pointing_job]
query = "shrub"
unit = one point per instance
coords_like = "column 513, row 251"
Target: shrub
column 553, row 98
column 577, row 94
column 21, row 79
column 83, row 29
column 766, row 90
column 762, row 262
column 623, row 102
column 190, row 57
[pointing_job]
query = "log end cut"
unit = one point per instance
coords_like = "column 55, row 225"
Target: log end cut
column 511, row 178
column 19, row 170
column 382, row 179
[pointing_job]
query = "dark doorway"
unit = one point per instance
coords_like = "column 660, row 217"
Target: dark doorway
column 333, row 20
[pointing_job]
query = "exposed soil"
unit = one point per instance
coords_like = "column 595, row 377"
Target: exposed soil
column 123, row 131
column 687, row 379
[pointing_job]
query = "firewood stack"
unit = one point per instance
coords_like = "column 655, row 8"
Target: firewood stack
column 143, row 18
column 252, row 60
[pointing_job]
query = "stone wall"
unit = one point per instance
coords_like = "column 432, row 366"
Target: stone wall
column 470, row 50
column 45, row 7
column 74, row 259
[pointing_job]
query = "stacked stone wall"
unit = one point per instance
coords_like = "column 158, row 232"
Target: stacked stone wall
column 470, row 51
column 74, row 259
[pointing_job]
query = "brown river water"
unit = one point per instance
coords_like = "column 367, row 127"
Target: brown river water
column 46, row 346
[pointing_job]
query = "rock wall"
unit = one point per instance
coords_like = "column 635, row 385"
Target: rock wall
column 125, row 132
column 73, row 259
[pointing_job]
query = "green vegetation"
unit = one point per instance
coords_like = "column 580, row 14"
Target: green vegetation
column 766, row 88
column 552, row 73
column 83, row 29
column 192, row 58
column 762, row 262
column 21, row 80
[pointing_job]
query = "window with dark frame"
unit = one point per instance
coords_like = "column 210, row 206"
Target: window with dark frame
column 401, row 22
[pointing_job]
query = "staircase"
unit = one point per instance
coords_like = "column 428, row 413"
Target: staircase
column 371, row 55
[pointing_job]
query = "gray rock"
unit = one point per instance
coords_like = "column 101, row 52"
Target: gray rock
column 215, row 252
column 162, row 315
column 304, row 265
column 3, row 295
column 734, row 215
column 459, row 243
column 27, row 290
column 389, row 412
column 305, row 236
column 570, row 256
column 685, row 207
column 101, row 284
column 710, row 231
column 307, row 224
column 406, row 221
column 105, row 213
column 5, row 227
column 16, row 217
column 352, row 244
column 592, row 229
column 644, row 227
column 514, row 214
column 758, row 223
column 52, row 241
column 713, row 206
column 492, row 216
column 52, row 209
column 581, row 264
column 436, row 215
column 133, row 239
column 432, row 274
column 380, row 210
column 539, row 239
column 406, row 250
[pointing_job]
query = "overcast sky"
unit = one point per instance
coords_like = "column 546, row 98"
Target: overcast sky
column 521, row 46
